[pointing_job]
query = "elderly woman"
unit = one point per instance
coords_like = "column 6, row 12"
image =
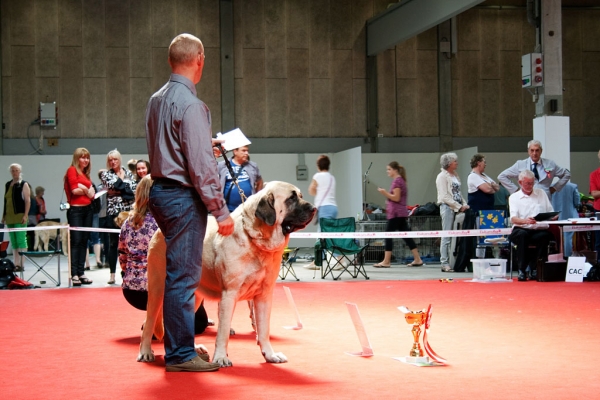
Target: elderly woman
column 121, row 186
column 17, row 201
column 450, row 200
column 481, row 187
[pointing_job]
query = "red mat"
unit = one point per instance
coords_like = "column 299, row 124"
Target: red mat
column 503, row 340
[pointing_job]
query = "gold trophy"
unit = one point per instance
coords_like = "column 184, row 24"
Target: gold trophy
column 416, row 319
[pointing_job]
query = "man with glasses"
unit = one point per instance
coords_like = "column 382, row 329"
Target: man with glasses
column 524, row 205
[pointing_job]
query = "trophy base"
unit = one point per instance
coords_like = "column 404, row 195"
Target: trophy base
column 417, row 360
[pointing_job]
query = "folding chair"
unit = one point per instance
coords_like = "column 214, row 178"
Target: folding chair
column 493, row 219
column 45, row 257
column 341, row 254
column 287, row 260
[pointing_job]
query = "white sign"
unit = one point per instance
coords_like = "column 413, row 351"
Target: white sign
column 575, row 269
column 233, row 139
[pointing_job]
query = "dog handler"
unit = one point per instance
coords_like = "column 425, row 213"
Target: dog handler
column 186, row 187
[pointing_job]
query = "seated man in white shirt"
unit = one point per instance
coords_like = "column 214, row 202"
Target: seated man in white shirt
column 524, row 205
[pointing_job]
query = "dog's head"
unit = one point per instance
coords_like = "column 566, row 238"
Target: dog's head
column 282, row 203
column 121, row 218
column 277, row 210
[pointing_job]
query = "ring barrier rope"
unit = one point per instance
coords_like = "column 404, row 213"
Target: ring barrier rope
column 345, row 235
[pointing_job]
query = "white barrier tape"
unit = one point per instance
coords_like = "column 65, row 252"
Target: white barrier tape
column 392, row 235
column 35, row 228
column 579, row 228
column 71, row 228
column 79, row 228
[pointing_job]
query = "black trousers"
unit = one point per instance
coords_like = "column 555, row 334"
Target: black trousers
column 139, row 299
column 79, row 217
column 398, row 224
column 113, row 243
column 523, row 238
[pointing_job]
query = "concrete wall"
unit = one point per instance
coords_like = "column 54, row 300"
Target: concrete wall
column 299, row 70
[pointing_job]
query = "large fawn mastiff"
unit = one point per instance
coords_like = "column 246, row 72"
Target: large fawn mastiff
column 242, row 266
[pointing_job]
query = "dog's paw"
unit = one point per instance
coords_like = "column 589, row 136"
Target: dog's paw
column 222, row 361
column 145, row 356
column 276, row 358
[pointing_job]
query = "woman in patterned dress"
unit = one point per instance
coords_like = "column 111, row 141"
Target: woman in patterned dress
column 136, row 232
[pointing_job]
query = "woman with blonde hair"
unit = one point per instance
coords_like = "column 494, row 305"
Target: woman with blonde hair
column 121, row 185
column 136, row 232
column 17, row 201
column 80, row 192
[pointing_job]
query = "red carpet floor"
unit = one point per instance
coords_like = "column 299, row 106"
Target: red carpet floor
column 502, row 341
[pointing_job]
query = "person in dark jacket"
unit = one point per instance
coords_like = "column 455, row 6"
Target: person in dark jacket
column 17, row 201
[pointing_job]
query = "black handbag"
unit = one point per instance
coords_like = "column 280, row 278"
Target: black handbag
column 96, row 203
column 7, row 272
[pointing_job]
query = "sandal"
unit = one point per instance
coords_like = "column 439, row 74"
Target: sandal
column 111, row 282
column 380, row 265
column 84, row 280
column 412, row 264
column 446, row 268
column 75, row 281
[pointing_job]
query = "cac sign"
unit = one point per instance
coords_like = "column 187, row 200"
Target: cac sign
column 575, row 269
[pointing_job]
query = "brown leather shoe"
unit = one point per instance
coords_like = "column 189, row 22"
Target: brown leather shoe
column 196, row 364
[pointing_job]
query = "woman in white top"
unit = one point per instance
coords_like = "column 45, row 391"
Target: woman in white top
column 481, row 187
column 450, row 200
column 323, row 188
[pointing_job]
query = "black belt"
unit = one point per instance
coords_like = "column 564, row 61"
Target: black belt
column 167, row 182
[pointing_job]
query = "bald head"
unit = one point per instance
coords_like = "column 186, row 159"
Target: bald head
column 184, row 49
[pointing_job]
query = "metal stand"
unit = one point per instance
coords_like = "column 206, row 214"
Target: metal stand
column 364, row 216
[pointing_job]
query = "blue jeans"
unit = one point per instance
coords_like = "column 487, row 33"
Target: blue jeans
column 79, row 217
column 182, row 217
column 95, row 236
column 447, row 215
column 326, row 212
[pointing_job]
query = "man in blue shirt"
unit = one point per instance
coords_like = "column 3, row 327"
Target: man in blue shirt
column 247, row 175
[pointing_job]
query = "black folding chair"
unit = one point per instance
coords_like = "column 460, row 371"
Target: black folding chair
column 41, row 258
column 287, row 263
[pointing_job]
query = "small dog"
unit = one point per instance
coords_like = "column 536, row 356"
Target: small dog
column 121, row 218
column 242, row 266
column 42, row 237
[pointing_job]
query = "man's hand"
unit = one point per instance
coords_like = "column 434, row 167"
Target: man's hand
column 226, row 226
column 463, row 208
column 216, row 151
